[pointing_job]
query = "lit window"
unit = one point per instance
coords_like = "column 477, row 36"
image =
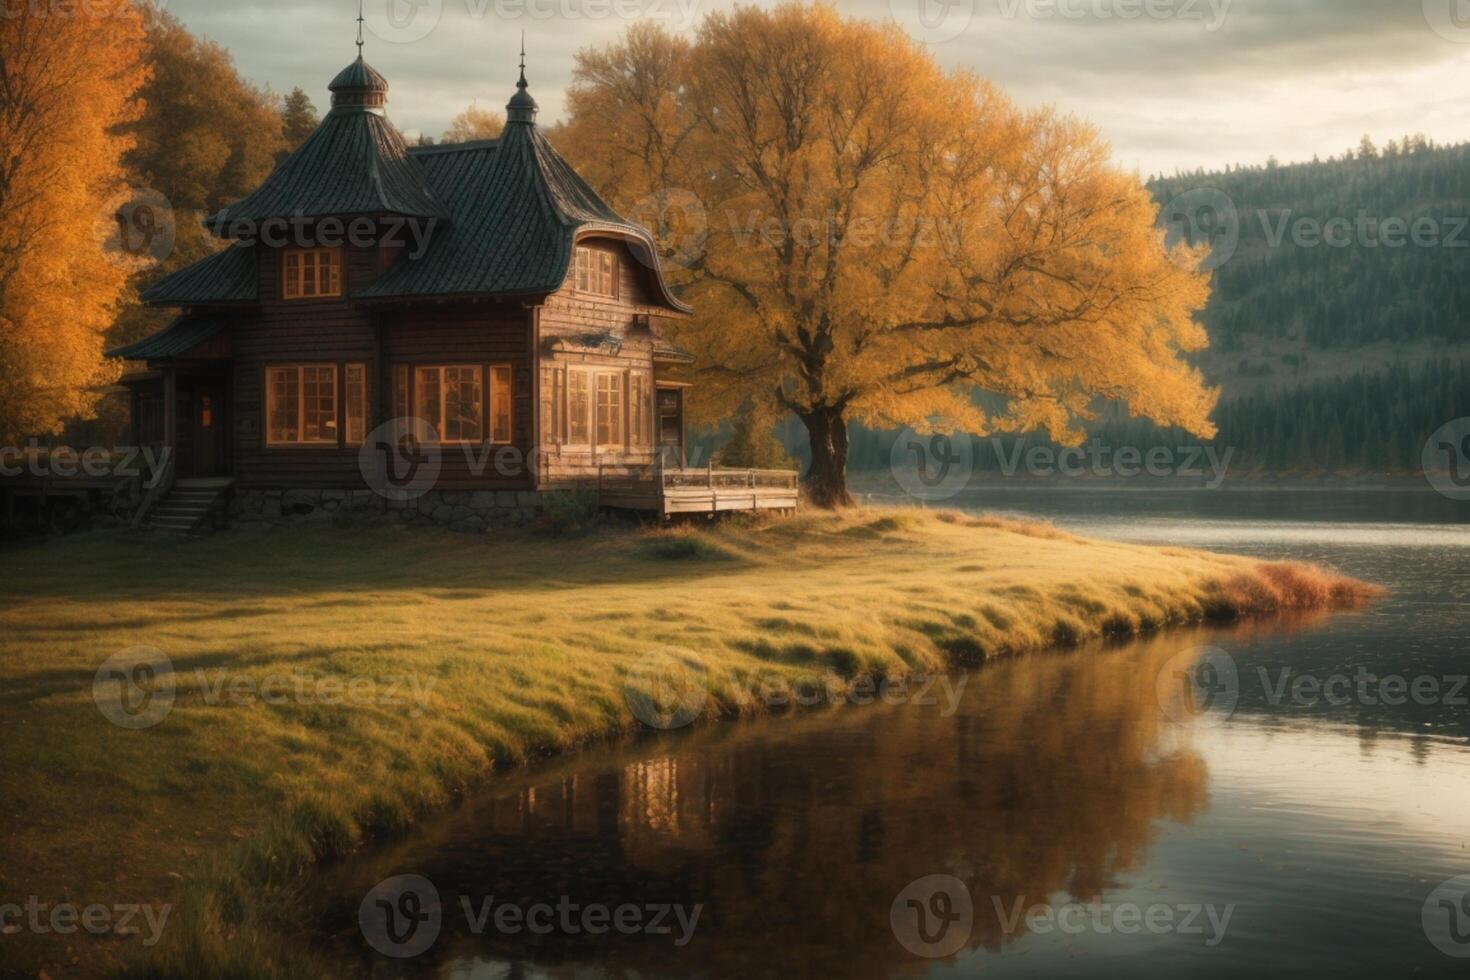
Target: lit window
column 610, row 408
column 311, row 273
column 301, row 405
column 553, row 405
column 579, row 408
column 639, row 409
column 451, row 399
column 355, row 383
column 595, row 272
column 500, row 403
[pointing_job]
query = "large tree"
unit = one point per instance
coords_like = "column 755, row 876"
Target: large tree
column 67, row 83
column 867, row 237
column 207, row 137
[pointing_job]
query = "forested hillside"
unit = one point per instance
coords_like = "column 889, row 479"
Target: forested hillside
column 1363, row 278
column 1340, row 337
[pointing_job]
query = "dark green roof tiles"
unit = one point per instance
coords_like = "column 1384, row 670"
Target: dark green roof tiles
column 517, row 207
column 179, row 337
column 355, row 163
column 503, row 214
column 228, row 276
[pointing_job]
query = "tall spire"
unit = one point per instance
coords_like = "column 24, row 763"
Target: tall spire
column 521, row 108
column 359, row 28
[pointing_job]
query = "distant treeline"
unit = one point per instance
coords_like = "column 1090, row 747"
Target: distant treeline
column 1341, row 277
column 1367, row 422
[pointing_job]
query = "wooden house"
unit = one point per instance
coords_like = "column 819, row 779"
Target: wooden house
column 481, row 290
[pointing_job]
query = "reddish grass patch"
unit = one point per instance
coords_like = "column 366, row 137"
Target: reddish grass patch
column 1291, row 587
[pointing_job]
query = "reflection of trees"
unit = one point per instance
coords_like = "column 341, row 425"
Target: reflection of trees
column 796, row 836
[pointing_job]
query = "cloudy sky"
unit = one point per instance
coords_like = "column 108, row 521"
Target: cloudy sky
column 1172, row 84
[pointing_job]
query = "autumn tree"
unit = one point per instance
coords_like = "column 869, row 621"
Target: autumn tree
column 474, row 123
column 867, row 237
column 68, row 80
column 206, row 137
column 298, row 120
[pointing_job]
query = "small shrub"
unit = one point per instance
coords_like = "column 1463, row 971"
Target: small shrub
column 572, row 512
column 680, row 547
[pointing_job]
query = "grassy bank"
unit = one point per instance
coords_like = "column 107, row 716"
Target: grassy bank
column 332, row 685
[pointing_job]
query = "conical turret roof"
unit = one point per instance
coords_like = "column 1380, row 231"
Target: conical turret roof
column 355, row 163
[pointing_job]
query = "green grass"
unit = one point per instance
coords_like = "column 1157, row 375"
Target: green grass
column 505, row 650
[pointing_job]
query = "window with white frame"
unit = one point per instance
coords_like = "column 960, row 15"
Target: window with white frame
column 596, row 408
column 640, row 409
column 595, row 271
column 609, row 409
column 579, row 407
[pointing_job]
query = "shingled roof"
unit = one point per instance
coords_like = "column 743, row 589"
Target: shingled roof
column 228, row 276
column 517, row 209
column 509, row 210
column 179, row 337
column 354, row 163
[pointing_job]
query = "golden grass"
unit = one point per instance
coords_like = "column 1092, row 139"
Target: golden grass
column 516, row 648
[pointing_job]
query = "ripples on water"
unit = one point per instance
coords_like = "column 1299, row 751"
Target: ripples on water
column 1059, row 779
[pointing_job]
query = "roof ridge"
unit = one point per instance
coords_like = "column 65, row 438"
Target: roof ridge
column 464, row 147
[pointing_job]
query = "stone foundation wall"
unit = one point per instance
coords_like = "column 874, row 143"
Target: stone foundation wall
column 462, row 510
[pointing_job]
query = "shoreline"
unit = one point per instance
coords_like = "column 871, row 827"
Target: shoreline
column 1041, row 591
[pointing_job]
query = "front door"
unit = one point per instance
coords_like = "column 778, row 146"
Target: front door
column 211, row 450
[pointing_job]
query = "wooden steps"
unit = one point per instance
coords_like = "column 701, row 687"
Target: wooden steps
column 189, row 504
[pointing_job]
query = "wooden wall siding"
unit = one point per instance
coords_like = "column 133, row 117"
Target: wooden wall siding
column 568, row 314
column 486, row 333
column 300, row 331
column 335, row 330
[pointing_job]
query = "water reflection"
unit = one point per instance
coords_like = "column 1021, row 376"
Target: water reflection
column 1053, row 777
column 1324, row 825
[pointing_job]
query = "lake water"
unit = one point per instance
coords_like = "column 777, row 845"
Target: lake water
column 1074, row 815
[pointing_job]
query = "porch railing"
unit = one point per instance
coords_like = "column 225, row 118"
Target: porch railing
column 659, row 478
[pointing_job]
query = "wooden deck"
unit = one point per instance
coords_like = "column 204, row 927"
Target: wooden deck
column 711, row 490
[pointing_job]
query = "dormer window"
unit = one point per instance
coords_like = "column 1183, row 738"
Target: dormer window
column 595, row 272
column 311, row 273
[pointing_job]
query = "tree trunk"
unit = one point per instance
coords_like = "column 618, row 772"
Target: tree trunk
column 826, row 482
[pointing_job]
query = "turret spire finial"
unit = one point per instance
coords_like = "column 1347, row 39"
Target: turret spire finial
column 521, row 108
column 359, row 27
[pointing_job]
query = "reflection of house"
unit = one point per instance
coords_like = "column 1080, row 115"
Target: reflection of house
column 483, row 288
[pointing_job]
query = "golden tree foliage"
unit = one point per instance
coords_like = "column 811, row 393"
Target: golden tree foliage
column 206, row 138
column 68, row 75
column 866, row 236
column 474, row 123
